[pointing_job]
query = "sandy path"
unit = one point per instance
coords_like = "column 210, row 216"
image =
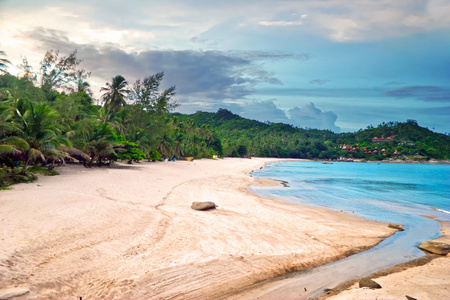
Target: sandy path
column 129, row 232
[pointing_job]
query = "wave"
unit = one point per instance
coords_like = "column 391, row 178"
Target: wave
column 442, row 210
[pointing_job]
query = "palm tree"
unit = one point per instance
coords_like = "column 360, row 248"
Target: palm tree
column 166, row 146
column 38, row 128
column 102, row 144
column 11, row 146
column 190, row 129
column 114, row 94
column 3, row 63
column 83, row 86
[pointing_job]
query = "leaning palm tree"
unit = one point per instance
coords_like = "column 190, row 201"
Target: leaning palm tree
column 102, row 145
column 38, row 128
column 114, row 94
column 166, row 146
column 3, row 64
column 12, row 146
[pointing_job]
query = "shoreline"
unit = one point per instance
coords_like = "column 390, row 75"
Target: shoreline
column 424, row 274
column 431, row 285
column 425, row 264
column 160, row 242
column 393, row 161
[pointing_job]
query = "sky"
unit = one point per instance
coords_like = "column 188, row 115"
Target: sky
column 340, row 65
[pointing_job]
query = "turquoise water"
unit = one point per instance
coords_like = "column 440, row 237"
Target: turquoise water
column 394, row 193
column 375, row 191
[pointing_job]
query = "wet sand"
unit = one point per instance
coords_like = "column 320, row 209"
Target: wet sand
column 426, row 278
column 129, row 232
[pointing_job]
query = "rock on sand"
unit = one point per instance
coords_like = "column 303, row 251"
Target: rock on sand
column 435, row 247
column 207, row 205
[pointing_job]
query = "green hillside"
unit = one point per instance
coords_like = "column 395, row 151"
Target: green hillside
column 49, row 117
column 242, row 136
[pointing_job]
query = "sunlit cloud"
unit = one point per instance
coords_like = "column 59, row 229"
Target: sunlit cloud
column 309, row 116
column 280, row 23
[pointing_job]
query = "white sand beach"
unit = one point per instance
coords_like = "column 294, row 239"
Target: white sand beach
column 128, row 232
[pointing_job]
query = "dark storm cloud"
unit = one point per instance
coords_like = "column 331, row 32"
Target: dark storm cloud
column 203, row 78
column 49, row 37
column 424, row 93
column 208, row 74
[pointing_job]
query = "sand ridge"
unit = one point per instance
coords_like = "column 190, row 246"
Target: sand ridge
column 129, row 232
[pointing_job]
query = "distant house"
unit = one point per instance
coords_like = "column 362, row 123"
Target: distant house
column 349, row 148
column 382, row 139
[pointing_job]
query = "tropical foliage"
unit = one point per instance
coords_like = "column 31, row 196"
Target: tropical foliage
column 240, row 137
column 3, row 63
column 114, row 95
column 49, row 118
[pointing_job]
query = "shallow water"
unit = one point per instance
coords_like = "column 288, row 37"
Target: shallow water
column 394, row 193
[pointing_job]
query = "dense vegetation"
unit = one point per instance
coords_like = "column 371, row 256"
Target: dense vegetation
column 248, row 137
column 49, row 117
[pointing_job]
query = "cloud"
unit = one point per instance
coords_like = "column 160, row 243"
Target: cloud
column 271, row 56
column 323, row 92
column 319, row 81
column 255, row 110
column 264, row 111
column 444, row 111
column 213, row 75
column 346, row 21
column 394, row 83
column 309, row 116
column 280, row 23
column 198, row 40
column 175, row 21
column 205, row 80
column 424, row 93
column 51, row 37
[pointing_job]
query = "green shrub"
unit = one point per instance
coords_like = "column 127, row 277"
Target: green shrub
column 42, row 171
column 154, row 155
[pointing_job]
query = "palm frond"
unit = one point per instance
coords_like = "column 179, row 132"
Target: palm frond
column 9, row 150
column 35, row 154
column 16, row 142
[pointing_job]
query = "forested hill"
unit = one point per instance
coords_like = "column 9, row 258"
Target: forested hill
column 242, row 136
column 224, row 121
column 49, row 117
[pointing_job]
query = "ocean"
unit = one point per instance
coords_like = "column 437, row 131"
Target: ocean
column 388, row 192
column 373, row 190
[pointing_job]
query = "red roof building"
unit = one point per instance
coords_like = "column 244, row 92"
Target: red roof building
column 382, row 139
